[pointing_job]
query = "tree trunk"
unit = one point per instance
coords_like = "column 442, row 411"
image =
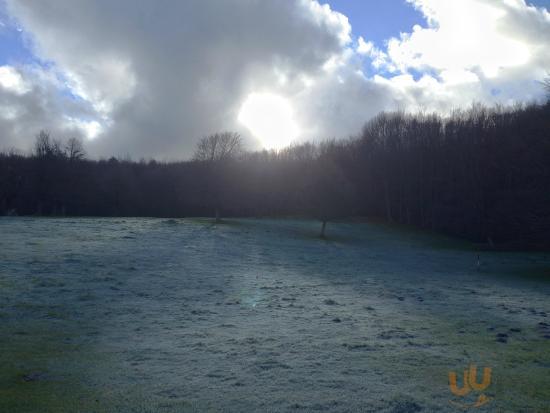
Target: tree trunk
column 389, row 217
column 323, row 227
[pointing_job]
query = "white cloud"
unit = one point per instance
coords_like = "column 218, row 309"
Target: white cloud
column 88, row 128
column 324, row 16
column 8, row 112
column 378, row 57
column 150, row 78
column 364, row 47
column 462, row 34
column 33, row 101
column 471, row 50
column 454, row 77
column 11, row 80
column 106, row 82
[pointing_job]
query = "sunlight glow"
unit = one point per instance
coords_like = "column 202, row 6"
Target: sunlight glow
column 11, row 80
column 90, row 129
column 270, row 119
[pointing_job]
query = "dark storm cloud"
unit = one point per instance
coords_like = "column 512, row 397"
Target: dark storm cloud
column 163, row 73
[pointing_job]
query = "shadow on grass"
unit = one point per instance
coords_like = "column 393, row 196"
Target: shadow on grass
column 421, row 236
column 532, row 273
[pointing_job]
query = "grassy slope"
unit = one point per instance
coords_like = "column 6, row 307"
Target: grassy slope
column 85, row 329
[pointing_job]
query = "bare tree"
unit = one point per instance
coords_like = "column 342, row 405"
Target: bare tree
column 304, row 152
column 42, row 144
column 215, row 151
column 218, row 147
column 329, row 193
column 45, row 147
column 74, row 149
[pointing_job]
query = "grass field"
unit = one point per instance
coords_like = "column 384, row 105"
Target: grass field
column 153, row 315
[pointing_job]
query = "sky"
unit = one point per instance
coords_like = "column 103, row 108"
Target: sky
column 379, row 20
column 148, row 79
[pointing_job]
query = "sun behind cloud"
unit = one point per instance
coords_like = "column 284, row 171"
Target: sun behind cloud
column 270, row 119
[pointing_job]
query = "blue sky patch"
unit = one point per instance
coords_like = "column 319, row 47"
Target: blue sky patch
column 377, row 20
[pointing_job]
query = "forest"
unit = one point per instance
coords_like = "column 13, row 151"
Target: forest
column 482, row 174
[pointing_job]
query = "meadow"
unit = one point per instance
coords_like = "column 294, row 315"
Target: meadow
column 177, row 315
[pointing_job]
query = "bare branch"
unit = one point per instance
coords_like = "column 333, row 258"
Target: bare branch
column 74, row 149
column 218, row 147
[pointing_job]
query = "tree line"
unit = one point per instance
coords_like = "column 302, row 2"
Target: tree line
column 482, row 174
